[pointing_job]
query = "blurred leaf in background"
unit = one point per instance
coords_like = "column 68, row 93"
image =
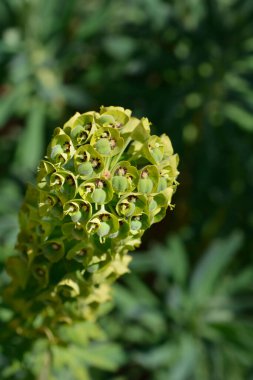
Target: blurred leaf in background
column 83, row 346
column 195, row 323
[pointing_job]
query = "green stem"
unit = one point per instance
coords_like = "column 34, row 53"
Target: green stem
column 46, row 366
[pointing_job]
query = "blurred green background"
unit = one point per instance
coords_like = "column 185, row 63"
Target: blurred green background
column 186, row 310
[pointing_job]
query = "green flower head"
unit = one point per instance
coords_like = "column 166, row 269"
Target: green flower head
column 104, row 181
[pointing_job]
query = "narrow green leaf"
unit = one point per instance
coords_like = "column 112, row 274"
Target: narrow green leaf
column 107, row 356
column 210, row 267
column 30, row 147
column 239, row 116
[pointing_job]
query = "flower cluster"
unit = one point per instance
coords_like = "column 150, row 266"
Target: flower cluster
column 103, row 182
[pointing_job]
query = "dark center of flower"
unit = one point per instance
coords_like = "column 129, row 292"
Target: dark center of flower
column 66, row 147
column 40, row 272
column 56, row 246
column 99, row 184
column 144, row 174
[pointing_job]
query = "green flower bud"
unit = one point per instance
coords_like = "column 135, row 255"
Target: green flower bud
column 106, row 120
column 103, row 229
column 103, row 224
column 80, row 128
column 99, row 196
column 85, row 169
column 131, row 204
column 61, row 148
column 124, row 177
column 78, row 209
column 107, row 141
column 139, row 223
column 148, row 179
column 120, row 184
column 104, row 146
column 156, row 149
column 87, row 154
column 152, row 205
column 115, row 117
column 97, row 190
column 135, row 224
column 162, row 184
column 122, row 232
column 88, row 161
column 145, row 185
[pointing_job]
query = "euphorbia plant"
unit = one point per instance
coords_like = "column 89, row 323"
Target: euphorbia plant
column 104, row 181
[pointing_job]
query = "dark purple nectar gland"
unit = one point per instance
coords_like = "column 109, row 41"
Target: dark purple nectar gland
column 115, row 125
column 99, row 195
column 104, row 217
column 88, row 189
column 70, row 181
column 145, row 184
column 49, row 201
column 82, row 252
column 112, row 143
column 96, row 163
column 72, row 208
column 66, row 147
column 41, row 230
column 93, row 227
column 55, row 246
column 124, row 207
column 57, row 181
column 121, row 171
column 87, row 127
column 132, row 199
column 61, row 159
column 100, row 184
column 130, row 178
column 83, row 157
column 40, row 272
column 105, row 135
column 78, row 226
column 81, row 135
column 85, row 208
column 144, row 174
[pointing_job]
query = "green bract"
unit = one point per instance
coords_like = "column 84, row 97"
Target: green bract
column 104, row 181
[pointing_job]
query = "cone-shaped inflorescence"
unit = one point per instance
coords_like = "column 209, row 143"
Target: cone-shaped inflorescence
column 103, row 182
